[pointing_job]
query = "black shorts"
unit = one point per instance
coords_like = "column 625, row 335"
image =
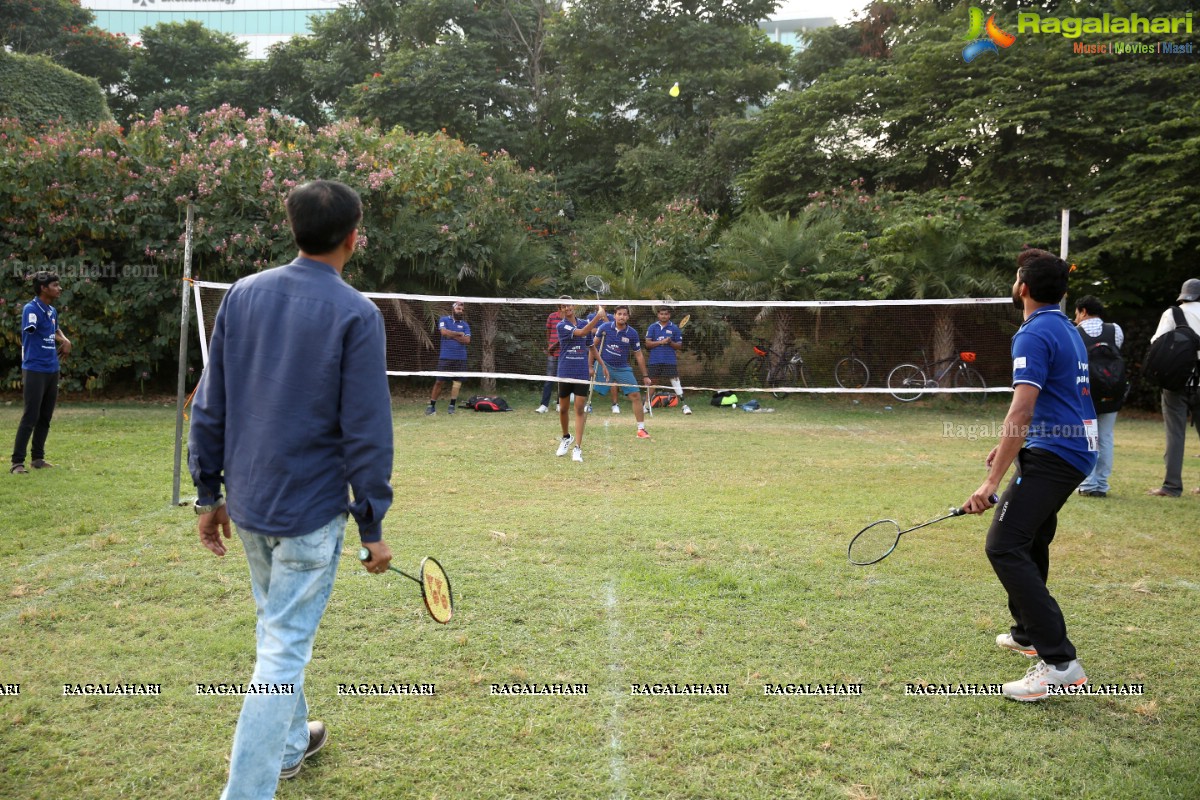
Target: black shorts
column 664, row 370
column 451, row 365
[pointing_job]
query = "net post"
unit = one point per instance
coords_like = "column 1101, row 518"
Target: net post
column 181, row 380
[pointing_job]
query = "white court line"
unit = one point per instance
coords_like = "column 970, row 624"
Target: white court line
column 616, row 692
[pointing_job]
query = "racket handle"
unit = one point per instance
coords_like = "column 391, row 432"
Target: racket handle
column 958, row 512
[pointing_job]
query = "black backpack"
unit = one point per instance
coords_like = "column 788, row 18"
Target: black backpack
column 487, row 403
column 1171, row 362
column 1106, row 369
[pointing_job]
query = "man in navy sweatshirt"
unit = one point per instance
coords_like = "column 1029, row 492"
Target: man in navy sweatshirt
column 293, row 408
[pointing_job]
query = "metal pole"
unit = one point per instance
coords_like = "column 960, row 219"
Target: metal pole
column 1064, row 237
column 181, row 382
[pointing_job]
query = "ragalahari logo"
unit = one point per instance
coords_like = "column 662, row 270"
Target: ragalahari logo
column 984, row 38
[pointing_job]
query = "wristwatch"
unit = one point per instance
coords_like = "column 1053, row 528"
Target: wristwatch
column 202, row 510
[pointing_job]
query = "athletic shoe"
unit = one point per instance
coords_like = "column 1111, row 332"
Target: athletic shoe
column 318, row 735
column 642, row 434
column 686, row 410
column 1006, row 641
column 41, row 463
column 18, row 469
column 430, row 411
column 616, row 409
column 450, row 410
column 1092, row 493
column 542, row 409
column 564, row 444
column 1042, row 679
column 577, row 455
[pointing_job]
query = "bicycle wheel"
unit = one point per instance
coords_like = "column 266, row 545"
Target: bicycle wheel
column 754, row 373
column 906, row 382
column 785, row 377
column 969, row 378
column 851, row 373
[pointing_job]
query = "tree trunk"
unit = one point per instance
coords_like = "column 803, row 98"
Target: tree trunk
column 943, row 339
column 489, row 329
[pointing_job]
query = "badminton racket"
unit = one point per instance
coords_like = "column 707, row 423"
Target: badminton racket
column 876, row 542
column 435, row 586
column 596, row 284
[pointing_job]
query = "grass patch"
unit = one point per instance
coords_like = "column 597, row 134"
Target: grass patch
column 712, row 554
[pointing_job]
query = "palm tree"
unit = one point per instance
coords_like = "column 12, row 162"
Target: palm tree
column 935, row 257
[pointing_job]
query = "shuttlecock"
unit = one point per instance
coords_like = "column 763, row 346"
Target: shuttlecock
column 675, row 90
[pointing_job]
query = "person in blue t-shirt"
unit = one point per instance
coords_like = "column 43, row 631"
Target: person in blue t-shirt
column 575, row 359
column 663, row 340
column 1051, row 433
column 42, row 341
column 456, row 335
column 616, row 341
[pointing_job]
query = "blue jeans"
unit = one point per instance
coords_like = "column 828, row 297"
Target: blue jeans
column 292, row 578
column 551, row 369
column 1098, row 480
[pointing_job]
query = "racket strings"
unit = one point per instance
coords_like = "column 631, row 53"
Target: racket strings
column 874, row 542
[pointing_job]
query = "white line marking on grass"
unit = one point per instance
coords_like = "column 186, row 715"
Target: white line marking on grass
column 616, row 693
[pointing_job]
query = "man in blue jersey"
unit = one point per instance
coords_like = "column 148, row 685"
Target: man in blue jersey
column 663, row 340
column 293, row 411
column 41, row 344
column 617, row 339
column 1051, row 433
column 575, row 359
column 456, row 335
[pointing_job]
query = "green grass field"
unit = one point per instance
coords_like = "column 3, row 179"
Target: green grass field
column 712, row 554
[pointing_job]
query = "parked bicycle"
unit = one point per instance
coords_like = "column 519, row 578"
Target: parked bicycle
column 851, row 372
column 908, row 382
column 771, row 369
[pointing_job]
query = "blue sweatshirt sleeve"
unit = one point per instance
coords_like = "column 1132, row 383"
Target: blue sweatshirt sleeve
column 366, row 421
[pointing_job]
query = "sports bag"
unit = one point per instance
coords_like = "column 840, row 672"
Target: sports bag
column 723, row 398
column 1171, row 362
column 487, row 403
column 1106, row 369
column 664, row 400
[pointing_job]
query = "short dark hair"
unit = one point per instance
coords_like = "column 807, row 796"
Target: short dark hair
column 1091, row 305
column 322, row 214
column 43, row 279
column 618, row 308
column 663, row 308
column 1044, row 273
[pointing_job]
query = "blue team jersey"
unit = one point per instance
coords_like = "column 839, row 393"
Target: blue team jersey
column 452, row 349
column 573, row 350
column 663, row 354
column 1049, row 353
column 39, row 323
column 618, row 343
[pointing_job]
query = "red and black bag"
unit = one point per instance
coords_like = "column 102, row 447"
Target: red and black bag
column 487, row 403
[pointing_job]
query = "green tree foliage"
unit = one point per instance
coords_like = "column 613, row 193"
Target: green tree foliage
column 36, row 91
column 107, row 211
column 35, row 26
column 1027, row 132
column 186, row 64
column 628, row 133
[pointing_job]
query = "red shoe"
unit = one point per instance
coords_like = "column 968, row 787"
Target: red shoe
column 642, row 434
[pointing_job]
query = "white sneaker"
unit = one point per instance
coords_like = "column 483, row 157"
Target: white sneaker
column 577, row 455
column 1006, row 641
column 616, row 409
column 686, row 410
column 1042, row 680
column 542, row 409
column 564, row 444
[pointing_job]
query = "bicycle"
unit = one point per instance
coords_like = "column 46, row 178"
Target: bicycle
column 770, row 368
column 851, row 372
column 908, row 382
